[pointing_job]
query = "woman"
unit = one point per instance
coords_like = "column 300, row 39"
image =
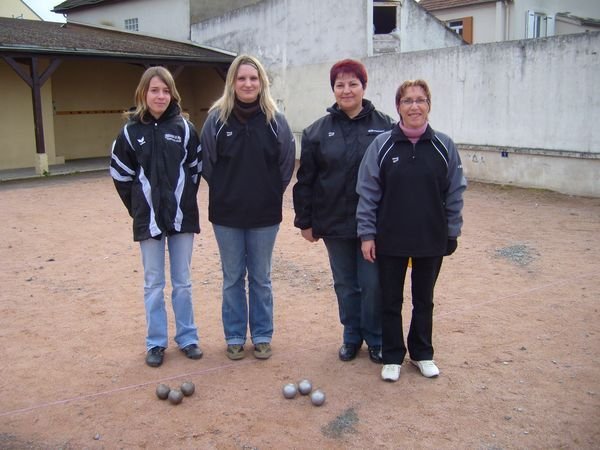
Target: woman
column 411, row 187
column 155, row 168
column 248, row 160
column 325, row 202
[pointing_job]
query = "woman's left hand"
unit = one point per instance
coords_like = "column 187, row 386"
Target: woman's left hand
column 368, row 250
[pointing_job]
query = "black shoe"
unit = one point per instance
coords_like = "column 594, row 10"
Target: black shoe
column 348, row 352
column 375, row 354
column 155, row 355
column 192, row 351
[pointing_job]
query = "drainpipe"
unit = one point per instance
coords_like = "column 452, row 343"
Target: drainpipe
column 501, row 14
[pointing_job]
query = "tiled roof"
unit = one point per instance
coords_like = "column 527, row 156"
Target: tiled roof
column 72, row 4
column 20, row 36
column 434, row 5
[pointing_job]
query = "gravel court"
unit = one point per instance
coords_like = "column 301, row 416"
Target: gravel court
column 516, row 333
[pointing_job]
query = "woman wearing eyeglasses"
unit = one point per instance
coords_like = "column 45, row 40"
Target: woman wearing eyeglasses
column 410, row 186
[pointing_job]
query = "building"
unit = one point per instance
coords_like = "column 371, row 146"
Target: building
column 67, row 85
column 17, row 9
column 480, row 21
column 506, row 104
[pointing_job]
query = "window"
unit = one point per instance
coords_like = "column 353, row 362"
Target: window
column 536, row 25
column 384, row 17
column 131, row 24
column 462, row 27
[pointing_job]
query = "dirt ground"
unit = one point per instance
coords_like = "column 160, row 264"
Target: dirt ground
column 516, row 334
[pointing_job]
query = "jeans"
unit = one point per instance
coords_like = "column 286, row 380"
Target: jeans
column 153, row 258
column 424, row 273
column 246, row 250
column 356, row 285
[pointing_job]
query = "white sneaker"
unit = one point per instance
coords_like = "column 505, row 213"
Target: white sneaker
column 427, row 367
column 390, row 372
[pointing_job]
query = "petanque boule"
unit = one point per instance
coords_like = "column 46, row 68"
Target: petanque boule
column 162, row 391
column 290, row 390
column 175, row 396
column 187, row 388
column 305, row 386
column 317, row 397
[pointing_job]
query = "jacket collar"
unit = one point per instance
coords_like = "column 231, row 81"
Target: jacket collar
column 398, row 135
column 367, row 108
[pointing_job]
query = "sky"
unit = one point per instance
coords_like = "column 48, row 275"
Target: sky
column 43, row 7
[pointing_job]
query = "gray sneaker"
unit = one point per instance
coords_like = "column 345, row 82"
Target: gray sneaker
column 235, row 351
column 262, row 350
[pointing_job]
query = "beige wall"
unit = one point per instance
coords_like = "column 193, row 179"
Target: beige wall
column 17, row 131
column 88, row 101
column 82, row 109
column 17, row 9
column 96, row 94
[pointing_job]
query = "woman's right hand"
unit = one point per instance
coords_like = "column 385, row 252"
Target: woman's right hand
column 368, row 250
column 307, row 234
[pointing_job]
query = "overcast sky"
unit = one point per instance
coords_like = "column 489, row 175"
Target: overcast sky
column 43, row 8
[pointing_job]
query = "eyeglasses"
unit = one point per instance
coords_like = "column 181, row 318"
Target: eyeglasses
column 410, row 101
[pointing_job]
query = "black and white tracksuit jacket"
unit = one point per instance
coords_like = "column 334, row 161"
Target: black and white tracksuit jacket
column 248, row 167
column 156, row 169
column 411, row 195
column 333, row 146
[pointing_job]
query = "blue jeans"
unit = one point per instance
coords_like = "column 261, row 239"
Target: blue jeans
column 246, row 250
column 153, row 258
column 356, row 284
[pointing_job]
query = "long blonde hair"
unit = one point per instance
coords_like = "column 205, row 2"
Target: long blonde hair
column 141, row 106
column 225, row 103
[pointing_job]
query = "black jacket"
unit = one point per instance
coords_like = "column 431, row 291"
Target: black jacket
column 248, row 167
column 325, row 195
column 155, row 167
column 411, row 195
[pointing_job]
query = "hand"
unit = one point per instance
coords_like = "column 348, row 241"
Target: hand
column 308, row 235
column 368, row 250
column 451, row 246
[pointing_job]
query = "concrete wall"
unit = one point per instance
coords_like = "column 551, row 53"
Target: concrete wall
column 170, row 20
column 291, row 32
column 422, row 31
column 506, row 104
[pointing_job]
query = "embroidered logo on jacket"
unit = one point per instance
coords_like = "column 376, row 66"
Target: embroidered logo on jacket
column 229, row 133
column 141, row 141
column 331, row 133
column 395, row 159
column 172, row 137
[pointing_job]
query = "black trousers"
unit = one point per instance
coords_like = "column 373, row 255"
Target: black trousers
column 424, row 274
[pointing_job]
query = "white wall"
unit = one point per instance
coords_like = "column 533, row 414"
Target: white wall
column 290, row 32
column 422, row 31
column 536, row 100
column 170, row 20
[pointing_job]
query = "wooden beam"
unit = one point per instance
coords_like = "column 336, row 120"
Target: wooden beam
column 18, row 69
column 36, row 96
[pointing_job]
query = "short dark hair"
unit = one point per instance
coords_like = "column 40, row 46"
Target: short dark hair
column 413, row 83
column 348, row 66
